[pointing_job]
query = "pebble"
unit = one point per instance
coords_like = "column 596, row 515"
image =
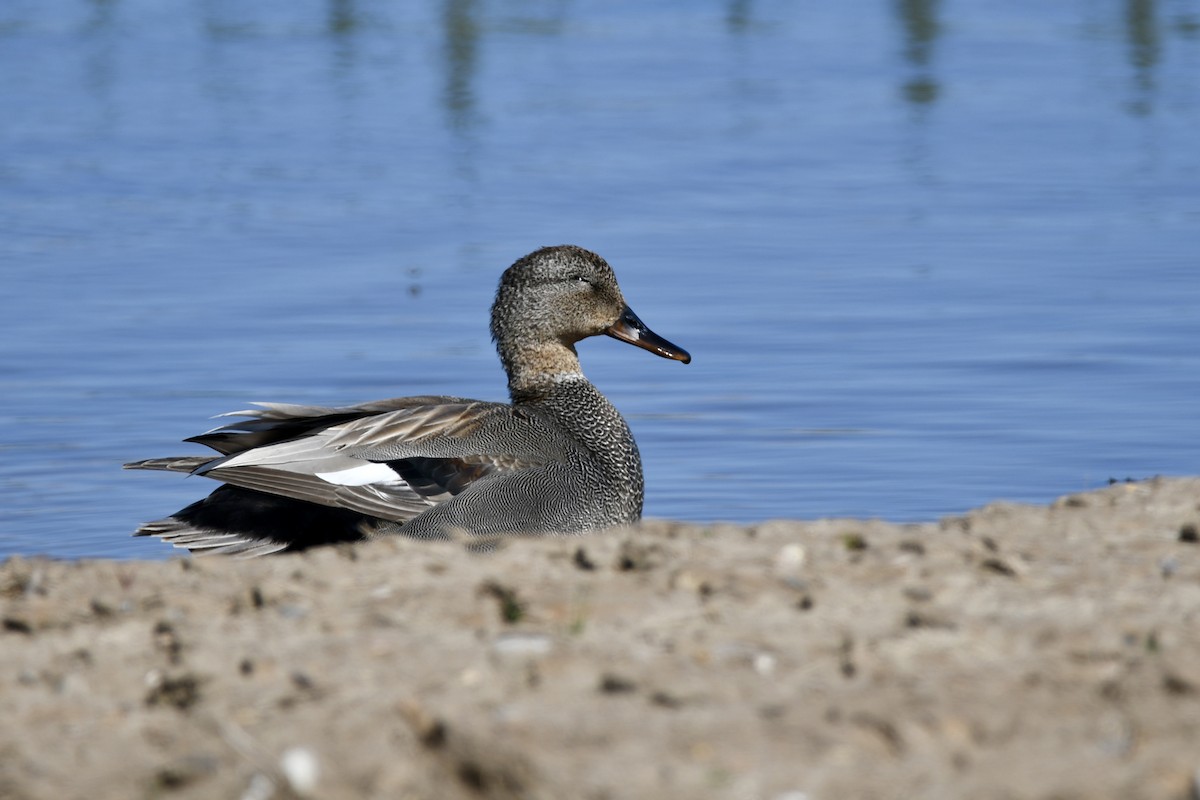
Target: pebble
column 522, row 644
column 764, row 664
column 790, row 559
column 299, row 766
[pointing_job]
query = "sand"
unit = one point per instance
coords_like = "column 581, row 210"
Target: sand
column 1015, row 652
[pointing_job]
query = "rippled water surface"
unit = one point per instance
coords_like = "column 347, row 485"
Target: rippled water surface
column 925, row 254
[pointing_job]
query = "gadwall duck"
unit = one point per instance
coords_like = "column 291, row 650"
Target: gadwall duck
column 558, row 459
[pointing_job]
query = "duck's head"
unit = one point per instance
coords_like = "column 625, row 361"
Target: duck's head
column 563, row 294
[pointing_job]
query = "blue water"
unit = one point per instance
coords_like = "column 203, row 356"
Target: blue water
column 925, row 254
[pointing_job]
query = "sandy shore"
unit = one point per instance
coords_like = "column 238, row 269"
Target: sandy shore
column 1015, row 652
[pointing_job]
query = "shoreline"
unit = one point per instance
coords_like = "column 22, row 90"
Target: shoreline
column 1013, row 652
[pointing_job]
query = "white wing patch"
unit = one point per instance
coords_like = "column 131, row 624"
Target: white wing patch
column 364, row 475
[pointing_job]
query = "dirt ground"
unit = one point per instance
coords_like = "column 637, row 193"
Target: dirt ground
column 1015, row 652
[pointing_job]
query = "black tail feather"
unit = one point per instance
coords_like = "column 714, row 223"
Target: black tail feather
column 244, row 522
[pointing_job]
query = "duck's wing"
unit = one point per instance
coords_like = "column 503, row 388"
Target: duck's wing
column 277, row 422
column 391, row 460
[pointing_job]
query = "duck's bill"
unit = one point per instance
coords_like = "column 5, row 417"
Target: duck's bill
column 631, row 329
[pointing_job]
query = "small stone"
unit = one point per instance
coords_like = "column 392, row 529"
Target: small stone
column 998, row 566
column 168, row 641
column 582, row 561
column 790, row 559
column 616, row 684
column 292, row 611
column 101, row 608
column 186, row 771
column 918, row 594
column 666, row 699
column 637, row 557
column 1177, row 685
column 383, row 592
column 302, row 681
column 178, row 691
column 1189, row 534
column 299, row 766
column 687, row 580
column 523, row 644
column 430, row 730
column 920, row 619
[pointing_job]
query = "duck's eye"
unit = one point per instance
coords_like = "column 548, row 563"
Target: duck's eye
column 582, row 279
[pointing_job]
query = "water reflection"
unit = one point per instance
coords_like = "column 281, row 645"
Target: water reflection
column 1186, row 25
column 342, row 17
column 98, row 65
column 737, row 15
column 1143, row 25
column 102, row 15
column 921, row 29
column 1141, row 30
column 460, row 50
column 343, row 23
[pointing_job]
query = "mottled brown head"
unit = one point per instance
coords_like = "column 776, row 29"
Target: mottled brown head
column 564, row 294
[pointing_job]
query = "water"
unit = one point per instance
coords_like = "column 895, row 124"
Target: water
column 925, row 254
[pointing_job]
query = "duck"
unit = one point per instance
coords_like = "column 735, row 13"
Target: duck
column 557, row 459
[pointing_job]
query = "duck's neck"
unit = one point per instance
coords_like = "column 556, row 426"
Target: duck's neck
column 535, row 370
column 547, row 377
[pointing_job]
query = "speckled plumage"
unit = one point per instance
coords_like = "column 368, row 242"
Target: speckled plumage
column 558, row 459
